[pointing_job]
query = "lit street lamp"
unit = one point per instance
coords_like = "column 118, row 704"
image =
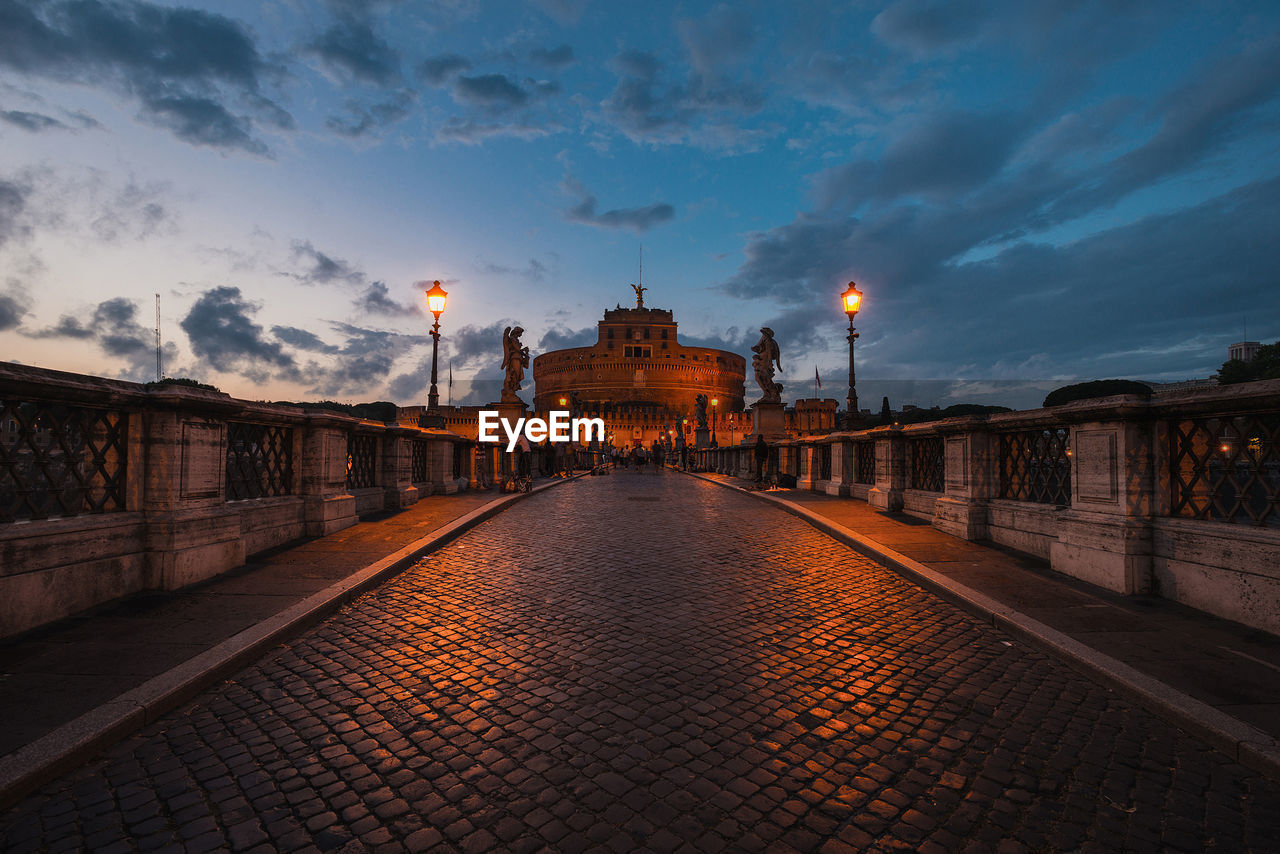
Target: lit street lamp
column 715, row 416
column 435, row 304
column 852, row 302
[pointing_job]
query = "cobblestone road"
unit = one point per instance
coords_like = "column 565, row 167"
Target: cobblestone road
column 653, row 663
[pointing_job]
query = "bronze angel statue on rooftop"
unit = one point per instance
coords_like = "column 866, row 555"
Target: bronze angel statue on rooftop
column 515, row 358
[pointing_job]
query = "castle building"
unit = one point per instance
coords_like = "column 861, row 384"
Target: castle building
column 638, row 368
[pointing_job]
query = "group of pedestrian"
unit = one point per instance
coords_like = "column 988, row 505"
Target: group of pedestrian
column 639, row 456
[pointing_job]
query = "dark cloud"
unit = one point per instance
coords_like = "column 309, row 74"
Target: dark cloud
column 938, row 157
column 717, row 42
column 363, row 363
column 635, row 219
column 362, row 119
column 351, row 47
column 437, row 70
column 183, row 66
column 491, row 91
column 559, row 337
column 929, row 26
column 475, row 345
column 114, row 327
column 1032, row 310
column 222, row 332
column 322, row 269
column 33, row 122
column 14, row 305
column 555, row 59
column 376, row 299
column 303, row 339
column 700, row 109
column 563, row 11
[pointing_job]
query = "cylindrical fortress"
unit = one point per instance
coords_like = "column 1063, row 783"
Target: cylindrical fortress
column 637, row 359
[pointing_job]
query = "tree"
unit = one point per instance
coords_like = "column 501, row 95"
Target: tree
column 1095, row 388
column 1264, row 366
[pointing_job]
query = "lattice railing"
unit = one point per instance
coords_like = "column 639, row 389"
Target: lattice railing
column 925, row 463
column 824, row 462
column 259, row 460
column 362, row 458
column 1035, row 465
column 60, row 460
column 1226, row 469
column 418, row 461
column 864, row 462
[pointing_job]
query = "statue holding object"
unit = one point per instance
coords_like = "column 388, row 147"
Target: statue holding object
column 515, row 358
column 766, row 354
column 700, row 411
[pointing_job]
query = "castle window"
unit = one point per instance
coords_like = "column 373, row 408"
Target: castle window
column 664, row 345
column 609, row 346
column 646, row 334
column 664, row 335
column 610, row 335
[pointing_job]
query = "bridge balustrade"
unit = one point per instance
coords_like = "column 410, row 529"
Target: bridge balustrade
column 108, row 487
column 1177, row 495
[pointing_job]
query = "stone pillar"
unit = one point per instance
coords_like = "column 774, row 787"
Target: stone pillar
column 807, row 476
column 396, row 475
column 891, row 471
column 327, row 504
column 970, row 482
column 190, row 535
column 1106, row 537
column 842, row 465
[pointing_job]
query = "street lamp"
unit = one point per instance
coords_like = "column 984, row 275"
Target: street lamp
column 852, row 299
column 435, row 304
column 715, row 416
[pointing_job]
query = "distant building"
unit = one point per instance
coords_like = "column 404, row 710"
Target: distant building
column 1244, row 351
column 637, row 363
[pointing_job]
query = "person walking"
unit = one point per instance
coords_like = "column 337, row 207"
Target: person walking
column 761, row 452
column 659, row 457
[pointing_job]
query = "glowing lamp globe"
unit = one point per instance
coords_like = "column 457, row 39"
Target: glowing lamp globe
column 852, row 299
column 436, row 298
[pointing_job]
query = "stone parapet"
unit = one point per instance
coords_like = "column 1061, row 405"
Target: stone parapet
column 1173, row 495
column 158, row 487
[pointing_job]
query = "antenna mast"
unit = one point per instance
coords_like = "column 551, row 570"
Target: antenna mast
column 159, row 368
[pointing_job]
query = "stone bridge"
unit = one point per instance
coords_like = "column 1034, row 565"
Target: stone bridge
column 646, row 660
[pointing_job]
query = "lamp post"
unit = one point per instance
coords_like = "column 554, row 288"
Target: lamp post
column 435, row 304
column 852, row 299
column 715, row 416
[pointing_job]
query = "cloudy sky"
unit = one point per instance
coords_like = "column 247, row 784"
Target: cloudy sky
column 1027, row 192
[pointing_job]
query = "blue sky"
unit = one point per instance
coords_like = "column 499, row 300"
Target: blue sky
column 1028, row 193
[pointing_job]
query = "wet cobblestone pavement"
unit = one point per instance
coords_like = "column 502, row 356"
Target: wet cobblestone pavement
column 648, row 662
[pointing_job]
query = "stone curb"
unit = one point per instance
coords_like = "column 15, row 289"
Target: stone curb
column 1246, row 744
column 78, row 740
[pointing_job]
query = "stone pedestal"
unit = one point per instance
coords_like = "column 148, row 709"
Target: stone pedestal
column 767, row 420
column 702, row 438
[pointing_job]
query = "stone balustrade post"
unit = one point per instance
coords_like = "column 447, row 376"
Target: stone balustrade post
column 842, row 464
column 1105, row 538
column 806, row 477
column 891, row 470
column 190, row 534
column 395, row 474
column 970, row 479
column 328, row 505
